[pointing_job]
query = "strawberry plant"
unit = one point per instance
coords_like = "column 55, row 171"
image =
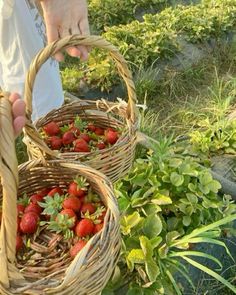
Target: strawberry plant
column 169, row 203
column 158, row 36
column 214, row 138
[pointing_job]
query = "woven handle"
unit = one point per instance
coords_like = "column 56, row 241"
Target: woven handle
column 75, row 40
column 9, row 182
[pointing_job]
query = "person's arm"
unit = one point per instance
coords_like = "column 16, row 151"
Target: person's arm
column 63, row 18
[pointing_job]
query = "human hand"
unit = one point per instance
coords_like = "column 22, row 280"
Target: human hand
column 63, row 18
column 18, row 112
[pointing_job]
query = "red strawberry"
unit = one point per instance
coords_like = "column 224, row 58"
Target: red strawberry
column 75, row 130
column 91, row 127
column 36, row 198
column 20, row 209
column 18, row 224
column 78, row 188
column 81, row 146
column 101, row 145
column 71, row 214
column 77, row 247
column 97, row 228
column 19, row 243
column 68, row 137
column 111, row 136
column 72, row 203
column 44, row 191
column 55, row 190
column 88, row 207
column 55, row 142
column 51, row 128
column 86, row 137
column 84, row 228
column 33, row 208
column 102, row 216
column 99, row 131
column 29, row 223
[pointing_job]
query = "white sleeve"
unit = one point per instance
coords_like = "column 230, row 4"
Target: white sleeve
column 6, row 8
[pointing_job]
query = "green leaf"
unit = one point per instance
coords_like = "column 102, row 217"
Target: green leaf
column 205, row 178
column 176, row 179
column 171, row 236
column 130, row 221
column 146, row 247
column 214, row 186
column 152, row 270
column 123, row 204
column 211, row 273
column 136, row 256
column 186, row 220
column 160, row 199
column 149, row 209
column 193, row 199
column 177, row 289
column 135, row 291
column 152, row 226
column 196, row 254
column 155, row 242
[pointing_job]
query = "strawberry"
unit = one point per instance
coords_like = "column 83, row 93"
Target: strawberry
column 68, row 137
column 36, row 198
column 91, row 127
column 111, row 136
column 18, row 224
column 55, row 190
column 55, row 142
column 44, row 191
column 99, row 131
column 101, row 145
column 97, row 227
column 33, row 208
column 20, row 209
column 77, row 247
column 88, row 207
column 70, row 213
column 81, row 146
column 78, row 187
column 75, row 130
column 29, row 223
column 72, row 203
column 84, row 228
column 19, row 243
column 85, row 136
column 102, row 216
column 51, row 128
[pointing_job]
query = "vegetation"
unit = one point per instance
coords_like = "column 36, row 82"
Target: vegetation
column 169, row 201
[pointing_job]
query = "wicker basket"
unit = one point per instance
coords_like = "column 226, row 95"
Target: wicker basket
column 115, row 161
column 51, row 270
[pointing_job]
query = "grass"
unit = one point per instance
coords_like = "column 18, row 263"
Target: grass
column 183, row 98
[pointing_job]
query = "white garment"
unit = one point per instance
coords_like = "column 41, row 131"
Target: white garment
column 21, row 37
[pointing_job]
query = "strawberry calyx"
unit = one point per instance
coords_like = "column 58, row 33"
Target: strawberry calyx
column 52, row 206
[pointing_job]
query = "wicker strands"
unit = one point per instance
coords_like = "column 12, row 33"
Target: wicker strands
column 47, row 267
column 115, row 161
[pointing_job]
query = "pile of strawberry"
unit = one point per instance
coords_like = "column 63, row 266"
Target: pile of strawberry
column 78, row 136
column 76, row 213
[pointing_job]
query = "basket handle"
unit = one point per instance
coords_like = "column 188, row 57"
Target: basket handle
column 75, row 40
column 9, row 182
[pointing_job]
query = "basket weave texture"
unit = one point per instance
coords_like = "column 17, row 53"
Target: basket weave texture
column 115, row 161
column 47, row 267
